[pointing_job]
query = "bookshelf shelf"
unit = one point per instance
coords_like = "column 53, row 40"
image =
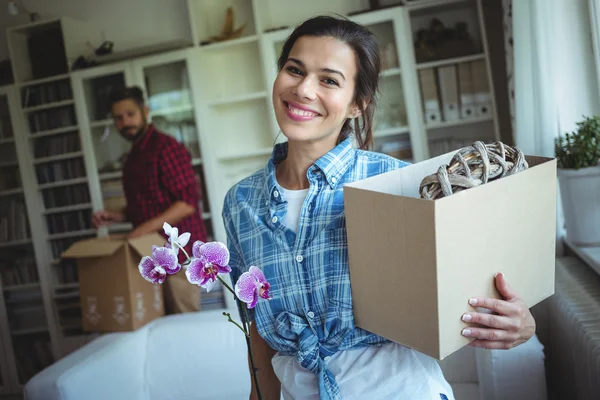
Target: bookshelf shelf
column 49, row 106
column 15, row 243
column 30, row 331
column 11, row 192
column 23, row 286
column 459, row 122
column 59, row 157
column 450, row 61
column 67, row 182
column 64, row 286
column 64, row 235
column 76, row 207
column 53, row 132
column 230, row 43
column 44, row 80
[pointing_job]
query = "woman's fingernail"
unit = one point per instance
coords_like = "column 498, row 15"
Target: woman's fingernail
column 466, row 332
column 467, row 317
column 473, row 301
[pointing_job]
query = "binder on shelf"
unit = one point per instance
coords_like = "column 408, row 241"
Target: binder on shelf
column 429, row 92
column 449, row 92
column 466, row 90
column 481, row 89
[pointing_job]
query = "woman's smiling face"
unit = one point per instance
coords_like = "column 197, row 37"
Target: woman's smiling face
column 313, row 94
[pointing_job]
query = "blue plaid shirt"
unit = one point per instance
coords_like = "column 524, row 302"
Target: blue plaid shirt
column 310, row 316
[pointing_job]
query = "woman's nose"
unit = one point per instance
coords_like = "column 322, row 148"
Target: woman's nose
column 306, row 88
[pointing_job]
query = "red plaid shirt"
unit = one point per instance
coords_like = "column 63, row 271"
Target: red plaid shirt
column 157, row 173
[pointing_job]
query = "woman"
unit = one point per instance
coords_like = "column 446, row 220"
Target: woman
column 289, row 219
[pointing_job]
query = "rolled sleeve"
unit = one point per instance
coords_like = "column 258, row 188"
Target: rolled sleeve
column 177, row 175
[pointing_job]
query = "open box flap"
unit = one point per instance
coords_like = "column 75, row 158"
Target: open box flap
column 92, row 248
column 143, row 245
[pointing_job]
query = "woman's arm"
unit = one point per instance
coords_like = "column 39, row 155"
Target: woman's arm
column 270, row 386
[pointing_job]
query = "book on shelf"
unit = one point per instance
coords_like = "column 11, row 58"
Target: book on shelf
column 60, row 170
column 69, row 221
column 66, row 196
column 18, row 271
column 56, row 145
column 13, row 220
column 46, row 93
column 51, row 119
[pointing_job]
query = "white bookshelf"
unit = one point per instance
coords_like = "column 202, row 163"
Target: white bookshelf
column 216, row 99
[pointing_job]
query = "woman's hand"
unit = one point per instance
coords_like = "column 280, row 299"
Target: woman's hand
column 510, row 325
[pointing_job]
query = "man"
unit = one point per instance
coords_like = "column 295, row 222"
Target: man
column 159, row 185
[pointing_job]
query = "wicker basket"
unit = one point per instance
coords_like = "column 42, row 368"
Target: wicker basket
column 472, row 166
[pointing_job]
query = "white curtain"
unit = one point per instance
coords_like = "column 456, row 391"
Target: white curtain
column 555, row 78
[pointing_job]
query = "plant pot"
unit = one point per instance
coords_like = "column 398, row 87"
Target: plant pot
column 580, row 195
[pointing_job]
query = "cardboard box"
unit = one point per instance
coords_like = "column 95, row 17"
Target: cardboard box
column 114, row 296
column 414, row 263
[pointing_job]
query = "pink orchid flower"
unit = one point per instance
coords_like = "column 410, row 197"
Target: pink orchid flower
column 251, row 285
column 209, row 260
column 163, row 261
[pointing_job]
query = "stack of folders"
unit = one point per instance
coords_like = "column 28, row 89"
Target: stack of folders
column 456, row 91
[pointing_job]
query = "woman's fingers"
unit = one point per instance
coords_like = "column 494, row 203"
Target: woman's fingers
column 499, row 306
column 491, row 320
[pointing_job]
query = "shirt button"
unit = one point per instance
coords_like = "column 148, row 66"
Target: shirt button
column 274, row 220
column 276, row 194
column 333, row 180
column 299, row 258
column 327, row 358
column 309, row 207
column 310, row 314
column 267, row 203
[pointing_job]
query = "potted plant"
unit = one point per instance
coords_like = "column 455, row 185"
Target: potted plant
column 578, row 157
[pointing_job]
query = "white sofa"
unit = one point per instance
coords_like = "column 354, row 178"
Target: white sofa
column 202, row 356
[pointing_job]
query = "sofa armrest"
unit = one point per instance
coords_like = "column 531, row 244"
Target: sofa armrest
column 110, row 367
column 516, row 374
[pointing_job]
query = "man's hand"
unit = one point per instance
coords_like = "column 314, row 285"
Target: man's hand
column 106, row 217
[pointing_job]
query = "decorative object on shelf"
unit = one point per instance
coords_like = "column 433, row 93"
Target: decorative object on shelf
column 15, row 7
column 473, row 166
column 228, row 32
column 105, row 48
column 439, row 42
column 578, row 155
column 209, row 262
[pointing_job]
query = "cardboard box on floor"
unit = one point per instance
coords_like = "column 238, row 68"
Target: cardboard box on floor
column 114, row 296
column 414, row 263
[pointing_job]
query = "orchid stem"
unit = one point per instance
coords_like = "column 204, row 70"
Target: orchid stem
column 184, row 252
column 227, row 286
column 249, row 343
column 235, row 323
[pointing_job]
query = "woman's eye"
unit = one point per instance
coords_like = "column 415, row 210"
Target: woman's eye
column 294, row 70
column 331, row 82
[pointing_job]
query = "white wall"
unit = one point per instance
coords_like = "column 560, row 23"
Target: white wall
column 128, row 23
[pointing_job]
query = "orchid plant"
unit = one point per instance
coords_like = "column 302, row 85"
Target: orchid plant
column 209, row 263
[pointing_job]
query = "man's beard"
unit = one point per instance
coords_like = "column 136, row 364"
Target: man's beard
column 140, row 131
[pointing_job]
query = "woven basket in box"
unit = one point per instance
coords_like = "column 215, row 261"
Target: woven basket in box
column 473, row 166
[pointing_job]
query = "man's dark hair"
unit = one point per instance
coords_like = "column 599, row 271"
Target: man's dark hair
column 123, row 93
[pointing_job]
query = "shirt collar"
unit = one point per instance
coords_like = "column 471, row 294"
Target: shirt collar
column 333, row 164
column 144, row 142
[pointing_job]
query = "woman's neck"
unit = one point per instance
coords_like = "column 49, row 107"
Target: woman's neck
column 291, row 172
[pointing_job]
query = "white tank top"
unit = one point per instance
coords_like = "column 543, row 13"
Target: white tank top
column 295, row 199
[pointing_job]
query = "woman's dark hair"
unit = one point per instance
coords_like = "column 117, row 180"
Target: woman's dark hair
column 123, row 93
column 368, row 66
